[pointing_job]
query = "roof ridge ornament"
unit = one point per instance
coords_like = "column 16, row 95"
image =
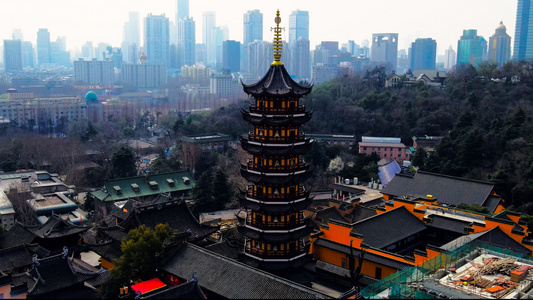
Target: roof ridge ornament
column 278, row 44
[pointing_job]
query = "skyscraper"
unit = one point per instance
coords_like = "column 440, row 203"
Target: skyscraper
column 298, row 25
column 208, row 36
column 423, row 54
column 231, row 54
column 469, row 48
column 186, row 42
column 132, row 38
column 87, row 50
column 449, row 58
column 523, row 37
column 17, row 34
column 252, row 30
column 43, row 46
column 299, row 63
column 500, row 46
column 385, row 49
column 13, row 55
column 27, row 54
column 156, row 39
column 253, row 26
column 183, row 10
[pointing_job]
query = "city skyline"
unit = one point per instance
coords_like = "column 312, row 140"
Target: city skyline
column 413, row 19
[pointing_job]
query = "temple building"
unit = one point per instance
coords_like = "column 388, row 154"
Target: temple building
column 275, row 227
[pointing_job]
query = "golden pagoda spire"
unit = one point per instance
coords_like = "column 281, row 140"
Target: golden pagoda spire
column 278, row 44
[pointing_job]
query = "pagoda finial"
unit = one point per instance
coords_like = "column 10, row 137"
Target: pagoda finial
column 278, row 44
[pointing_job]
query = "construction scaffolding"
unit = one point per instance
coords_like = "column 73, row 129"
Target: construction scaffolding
column 422, row 282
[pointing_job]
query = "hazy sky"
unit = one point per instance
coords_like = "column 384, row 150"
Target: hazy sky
column 331, row 20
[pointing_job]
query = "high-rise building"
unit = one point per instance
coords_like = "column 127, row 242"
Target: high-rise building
column 17, row 34
column 144, row 74
column 252, row 31
column 275, row 227
column 186, row 42
column 259, row 57
column 156, row 39
column 100, row 50
column 132, row 38
column 300, row 59
column 500, row 46
column 208, row 36
column 299, row 63
column 87, row 50
column 201, row 54
column 298, row 25
column 58, row 52
column 253, row 26
column 27, row 54
column 423, row 54
column 94, row 71
column 13, row 60
column 183, row 10
column 385, row 49
column 523, row 37
column 469, row 48
column 231, row 54
column 449, row 58
column 43, row 46
column 331, row 49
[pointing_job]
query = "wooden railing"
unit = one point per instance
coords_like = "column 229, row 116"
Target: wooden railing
column 286, row 225
column 281, row 139
column 271, row 196
column 278, row 169
column 282, row 111
column 280, row 254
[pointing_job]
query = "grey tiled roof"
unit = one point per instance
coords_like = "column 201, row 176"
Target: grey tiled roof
column 447, row 189
column 188, row 290
column 232, row 279
column 14, row 258
column 495, row 237
column 450, row 224
column 389, row 227
column 382, row 260
column 55, row 227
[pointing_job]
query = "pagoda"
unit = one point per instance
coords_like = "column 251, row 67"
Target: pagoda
column 275, row 227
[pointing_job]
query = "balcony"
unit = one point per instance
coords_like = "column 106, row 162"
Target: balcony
column 276, row 140
column 273, row 197
column 282, row 170
column 277, row 111
column 287, row 225
column 271, row 254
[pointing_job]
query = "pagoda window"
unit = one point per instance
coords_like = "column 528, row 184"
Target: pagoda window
column 268, row 247
column 276, row 134
column 281, row 247
column 270, row 132
column 269, row 162
column 283, row 133
column 282, row 218
column 283, row 190
column 270, row 190
column 283, row 162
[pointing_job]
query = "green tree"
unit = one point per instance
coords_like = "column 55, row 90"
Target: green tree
column 142, row 251
column 123, row 163
column 420, row 157
column 222, row 191
column 203, row 194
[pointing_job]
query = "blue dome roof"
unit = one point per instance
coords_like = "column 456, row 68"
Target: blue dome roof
column 91, row 96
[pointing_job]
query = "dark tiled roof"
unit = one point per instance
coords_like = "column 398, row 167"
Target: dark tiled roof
column 225, row 248
column 188, row 290
column 382, row 260
column 232, row 279
column 495, row 237
column 277, row 82
column 373, row 203
column 17, row 235
column 388, row 228
column 362, row 213
column 56, row 273
column 447, row 189
column 55, row 227
column 176, row 214
column 14, row 258
column 329, row 213
column 450, row 224
column 492, row 202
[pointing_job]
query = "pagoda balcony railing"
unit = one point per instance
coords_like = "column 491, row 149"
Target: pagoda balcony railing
column 278, row 169
column 271, row 254
column 277, row 111
column 268, row 197
column 276, row 140
column 290, row 225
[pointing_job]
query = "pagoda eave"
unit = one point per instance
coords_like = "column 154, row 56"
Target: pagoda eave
column 277, row 121
column 271, row 150
column 261, row 206
column 276, row 237
column 263, row 178
column 274, row 264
